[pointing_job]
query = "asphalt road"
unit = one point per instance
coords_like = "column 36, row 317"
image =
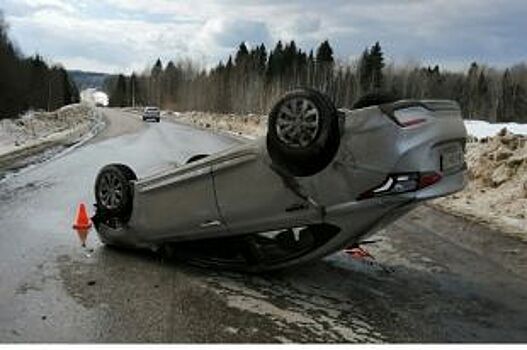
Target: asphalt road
column 436, row 278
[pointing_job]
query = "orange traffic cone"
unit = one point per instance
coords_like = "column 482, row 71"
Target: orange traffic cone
column 83, row 236
column 82, row 221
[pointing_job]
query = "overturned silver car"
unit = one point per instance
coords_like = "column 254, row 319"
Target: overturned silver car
column 322, row 179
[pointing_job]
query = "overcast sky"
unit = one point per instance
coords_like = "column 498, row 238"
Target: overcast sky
column 125, row 35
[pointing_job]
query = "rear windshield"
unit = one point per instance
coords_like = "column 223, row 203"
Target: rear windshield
column 151, row 109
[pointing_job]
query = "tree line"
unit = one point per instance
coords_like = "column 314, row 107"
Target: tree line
column 29, row 82
column 252, row 79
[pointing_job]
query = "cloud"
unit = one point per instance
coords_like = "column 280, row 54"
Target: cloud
column 27, row 8
column 227, row 33
column 110, row 44
column 124, row 34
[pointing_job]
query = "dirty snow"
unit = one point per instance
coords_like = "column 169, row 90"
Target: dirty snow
column 497, row 190
column 36, row 129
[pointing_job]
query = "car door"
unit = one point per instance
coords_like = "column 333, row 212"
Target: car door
column 178, row 203
column 253, row 198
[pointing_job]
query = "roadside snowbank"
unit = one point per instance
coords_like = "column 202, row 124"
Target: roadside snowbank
column 37, row 131
column 497, row 190
column 497, row 160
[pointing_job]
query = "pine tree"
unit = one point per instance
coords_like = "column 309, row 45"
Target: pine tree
column 157, row 69
column 68, row 95
column 324, row 63
column 171, row 83
column 325, row 53
column 371, row 65
column 519, row 106
column 484, row 99
column 261, row 59
column 29, row 82
column 470, row 98
column 365, row 71
column 506, row 99
column 118, row 96
column 241, row 55
column 376, row 61
column 156, row 95
column 276, row 64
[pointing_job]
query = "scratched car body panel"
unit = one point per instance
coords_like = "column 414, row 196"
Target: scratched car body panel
column 385, row 164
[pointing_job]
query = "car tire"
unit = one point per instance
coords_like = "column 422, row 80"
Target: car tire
column 303, row 132
column 114, row 191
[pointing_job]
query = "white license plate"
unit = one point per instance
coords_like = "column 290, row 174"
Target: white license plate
column 452, row 159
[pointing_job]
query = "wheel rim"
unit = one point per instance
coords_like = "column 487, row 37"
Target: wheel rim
column 111, row 191
column 297, row 124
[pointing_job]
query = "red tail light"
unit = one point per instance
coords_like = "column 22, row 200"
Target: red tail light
column 402, row 183
column 411, row 116
column 412, row 122
column 428, row 179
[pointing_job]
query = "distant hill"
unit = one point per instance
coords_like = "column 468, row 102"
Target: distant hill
column 85, row 80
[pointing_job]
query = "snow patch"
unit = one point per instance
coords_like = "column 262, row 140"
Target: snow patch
column 481, row 128
column 94, row 97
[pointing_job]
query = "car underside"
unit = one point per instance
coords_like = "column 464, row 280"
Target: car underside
column 322, row 179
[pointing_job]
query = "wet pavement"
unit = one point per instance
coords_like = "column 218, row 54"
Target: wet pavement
column 435, row 278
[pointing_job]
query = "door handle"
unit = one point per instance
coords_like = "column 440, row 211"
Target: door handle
column 210, row 223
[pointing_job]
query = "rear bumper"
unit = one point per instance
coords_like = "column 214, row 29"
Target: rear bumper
column 449, row 184
column 153, row 117
column 360, row 219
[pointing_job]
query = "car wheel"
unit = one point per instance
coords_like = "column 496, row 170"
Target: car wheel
column 114, row 192
column 303, row 132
